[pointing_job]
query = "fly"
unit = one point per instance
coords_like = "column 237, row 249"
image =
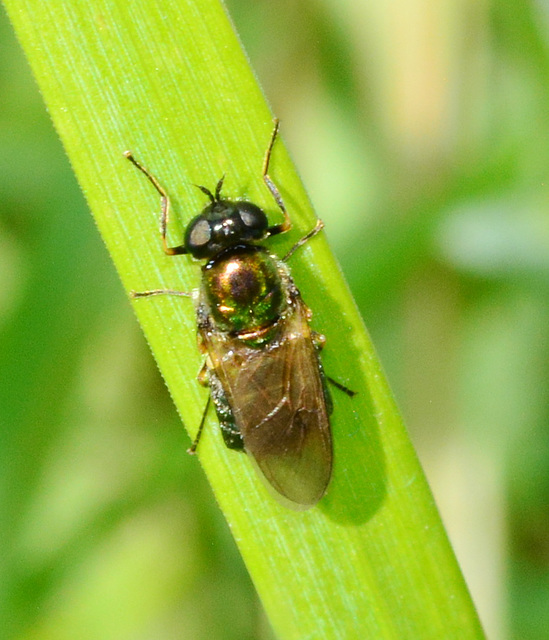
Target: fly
column 262, row 362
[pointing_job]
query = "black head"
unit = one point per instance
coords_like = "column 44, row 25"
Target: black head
column 224, row 223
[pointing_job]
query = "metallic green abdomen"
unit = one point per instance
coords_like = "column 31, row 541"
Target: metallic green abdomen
column 244, row 289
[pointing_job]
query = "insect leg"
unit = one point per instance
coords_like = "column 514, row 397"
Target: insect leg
column 192, row 449
column 287, row 224
column 316, row 229
column 165, row 206
column 159, row 292
column 319, row 340
column 341, row 387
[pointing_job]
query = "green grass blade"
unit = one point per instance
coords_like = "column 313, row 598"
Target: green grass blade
column 170, row 82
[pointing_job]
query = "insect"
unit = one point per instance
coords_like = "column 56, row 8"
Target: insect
column 262, row 361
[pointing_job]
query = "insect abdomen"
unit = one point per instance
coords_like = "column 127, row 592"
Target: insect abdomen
column 229, row 429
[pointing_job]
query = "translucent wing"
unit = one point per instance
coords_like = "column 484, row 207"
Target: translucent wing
column 277, row 397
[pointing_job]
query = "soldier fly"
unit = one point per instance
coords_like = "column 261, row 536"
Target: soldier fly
column 262, row 361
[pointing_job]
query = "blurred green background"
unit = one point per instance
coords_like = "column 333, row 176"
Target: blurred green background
column 422, row 133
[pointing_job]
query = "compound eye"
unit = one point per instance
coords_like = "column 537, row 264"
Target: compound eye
column 253, row 218
column 200, row 234
column 198, row 237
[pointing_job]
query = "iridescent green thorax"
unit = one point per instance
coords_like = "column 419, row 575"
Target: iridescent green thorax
column 244, row 289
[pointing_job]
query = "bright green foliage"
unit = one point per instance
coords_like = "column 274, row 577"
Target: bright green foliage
column 169, row 81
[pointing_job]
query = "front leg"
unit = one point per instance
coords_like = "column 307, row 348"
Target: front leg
column 164, row 207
